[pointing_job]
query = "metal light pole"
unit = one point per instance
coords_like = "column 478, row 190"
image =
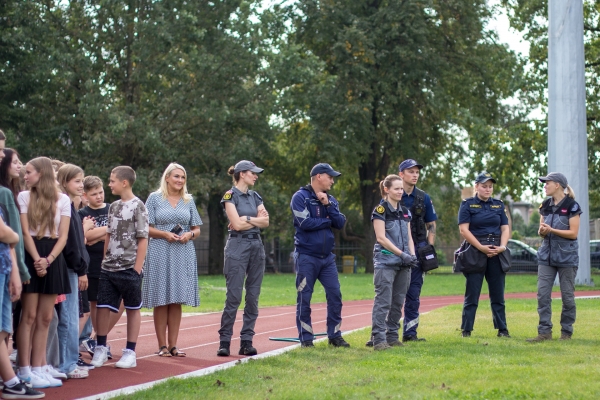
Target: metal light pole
column 567, row 136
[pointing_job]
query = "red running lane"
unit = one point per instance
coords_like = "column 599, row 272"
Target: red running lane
column 198, row 337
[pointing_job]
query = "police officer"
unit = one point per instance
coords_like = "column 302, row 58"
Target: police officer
column 483, row 222
column 315, row 213
column 244, row 255
column 423, row 232
column 558, row 255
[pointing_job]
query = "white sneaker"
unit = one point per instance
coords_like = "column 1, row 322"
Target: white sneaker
column 127, row 360
column 52, row 381
column 13, row 356
column 35, row 381
column 49, row 369
column 78, row 373
column 100, row 356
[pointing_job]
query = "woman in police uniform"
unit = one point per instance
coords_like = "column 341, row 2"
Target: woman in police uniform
column 483, row 223
column 393, row 258
column 244, row 255
column 558, row 254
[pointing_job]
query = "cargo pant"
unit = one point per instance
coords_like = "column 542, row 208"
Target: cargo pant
column 413, row 299
column 325, row 270
column 566, row 277
column 244, row 259
column 391, row 286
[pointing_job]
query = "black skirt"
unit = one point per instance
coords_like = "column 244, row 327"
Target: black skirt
column 56, row 280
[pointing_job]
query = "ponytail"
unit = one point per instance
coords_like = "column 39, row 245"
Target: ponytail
column 387, row 183
column 569, row 192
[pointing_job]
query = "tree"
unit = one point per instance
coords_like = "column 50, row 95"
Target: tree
column 395, row 80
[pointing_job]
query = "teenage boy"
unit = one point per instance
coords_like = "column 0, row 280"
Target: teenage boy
column 125, row 246
column 96, row 209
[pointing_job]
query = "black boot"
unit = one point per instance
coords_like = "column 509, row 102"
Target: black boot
column 223, row 349
column 246, row 348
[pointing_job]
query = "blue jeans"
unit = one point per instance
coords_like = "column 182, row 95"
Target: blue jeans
column 5, row 305
column 68, row 327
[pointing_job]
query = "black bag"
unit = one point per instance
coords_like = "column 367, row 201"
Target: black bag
column 469, row 260
column 505, row 260
column 427, row 258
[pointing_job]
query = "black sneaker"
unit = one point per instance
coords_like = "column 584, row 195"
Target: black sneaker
column 412, row 338
column 21, row 391
column 89, row 346
column 223, row 349
column 307, row 343
column 83, row 364
column 503, row 333
column 370, row 342
column 466, row 333
column 246, row 348
column 338, row 342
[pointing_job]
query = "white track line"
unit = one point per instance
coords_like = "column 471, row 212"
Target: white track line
column 202, row 372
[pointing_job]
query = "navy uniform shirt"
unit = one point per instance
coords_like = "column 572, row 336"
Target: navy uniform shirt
column 246, row 204
column 484, row 217
column 409, row 199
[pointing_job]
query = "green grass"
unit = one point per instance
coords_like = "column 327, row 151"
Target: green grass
column 279, row 290
column 445, row 367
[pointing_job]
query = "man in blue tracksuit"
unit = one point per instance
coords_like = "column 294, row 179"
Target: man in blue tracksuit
column 315, row 213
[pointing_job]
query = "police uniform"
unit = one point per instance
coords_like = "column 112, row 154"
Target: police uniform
column 392, row 275
column 314, row 242
column 485, row 219
column 244, row 258
column 421, row 207
column 557, row 256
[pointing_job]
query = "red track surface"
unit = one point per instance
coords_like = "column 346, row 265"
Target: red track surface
column 199, row 338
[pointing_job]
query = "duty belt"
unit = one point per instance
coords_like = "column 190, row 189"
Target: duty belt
column 246, row 235
column 488, row 238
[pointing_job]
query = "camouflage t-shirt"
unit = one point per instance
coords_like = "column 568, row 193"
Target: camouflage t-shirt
column 127, row 222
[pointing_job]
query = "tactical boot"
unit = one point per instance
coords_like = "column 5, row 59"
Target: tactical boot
column 540, row 338
column 503, row 333
column 381, row 346
column 307, row 343
column 223, row 349
column 565, row 336
column 395, row 343
column 412, row 338
column 246, row 349
column 466, row 333
column 338, row 342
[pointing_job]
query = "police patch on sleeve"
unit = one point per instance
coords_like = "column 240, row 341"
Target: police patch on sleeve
column 380, row 209
column 575, row 207
column 227, row 195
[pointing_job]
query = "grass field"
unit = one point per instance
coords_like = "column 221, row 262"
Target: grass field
column 278, row 290
column 447, row 366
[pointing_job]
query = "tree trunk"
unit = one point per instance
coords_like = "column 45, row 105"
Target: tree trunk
column 216, row 241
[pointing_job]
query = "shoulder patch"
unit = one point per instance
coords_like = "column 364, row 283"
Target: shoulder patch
column 541, row 204
column 380, row 209
column 227, row 195
column 475, row 205
column 575, row 207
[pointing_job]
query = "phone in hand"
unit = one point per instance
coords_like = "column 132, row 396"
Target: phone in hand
column 177, row 230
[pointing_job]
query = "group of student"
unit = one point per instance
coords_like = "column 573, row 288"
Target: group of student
column 64, row 257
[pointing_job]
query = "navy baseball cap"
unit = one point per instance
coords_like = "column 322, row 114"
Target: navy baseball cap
column 484, row 177
column 324, row 168
column 246, row 165
column 406, row 164
column 555, row 177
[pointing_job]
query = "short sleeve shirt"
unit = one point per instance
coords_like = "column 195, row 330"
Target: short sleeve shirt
column 63, row 209
column 127, row 222
column 246, row 204
column 96, row 251
column 484, row 217
column 409, row 199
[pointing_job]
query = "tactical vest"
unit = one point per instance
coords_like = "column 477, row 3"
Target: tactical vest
column 417, row 224
column 557, row 251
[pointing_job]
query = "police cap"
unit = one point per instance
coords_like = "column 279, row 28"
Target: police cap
column 246, row 165
column 406, row 164
column 324, row 168
column 484, row 177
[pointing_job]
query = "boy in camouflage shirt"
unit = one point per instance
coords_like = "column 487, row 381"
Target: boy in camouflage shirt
column 121, row 275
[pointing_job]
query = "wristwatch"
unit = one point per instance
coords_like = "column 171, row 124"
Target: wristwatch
column 192, row 234
column 248, row 218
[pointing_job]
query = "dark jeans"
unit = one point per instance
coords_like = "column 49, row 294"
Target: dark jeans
column 495, row 278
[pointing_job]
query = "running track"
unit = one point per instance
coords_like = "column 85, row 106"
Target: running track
column 199, row 338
